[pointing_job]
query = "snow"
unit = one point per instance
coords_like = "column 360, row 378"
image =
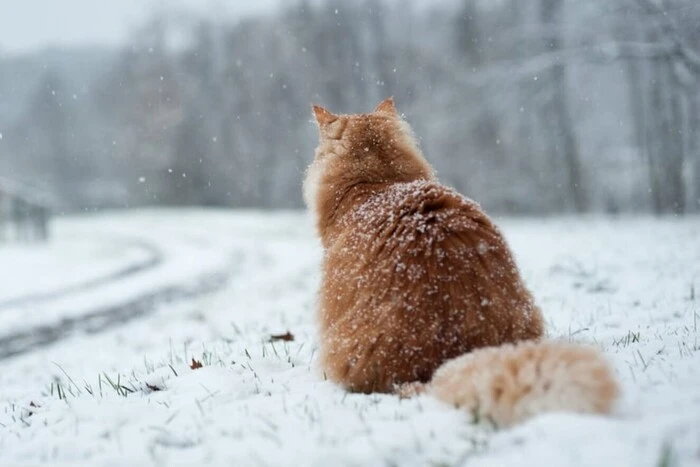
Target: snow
column 629, row 285
column 89, row 258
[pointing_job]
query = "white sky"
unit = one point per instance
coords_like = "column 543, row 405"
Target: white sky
column 27, row 25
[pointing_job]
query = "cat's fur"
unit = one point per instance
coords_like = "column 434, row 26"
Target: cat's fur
column 414, row 274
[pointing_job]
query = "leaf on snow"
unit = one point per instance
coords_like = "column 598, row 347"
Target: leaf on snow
column 195, row 364
column 287, row 337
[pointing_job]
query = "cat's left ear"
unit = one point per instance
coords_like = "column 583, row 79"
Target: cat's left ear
column 323, row 116
column 387, row 106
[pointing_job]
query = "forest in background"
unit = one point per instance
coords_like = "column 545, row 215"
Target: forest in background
column 529, row 107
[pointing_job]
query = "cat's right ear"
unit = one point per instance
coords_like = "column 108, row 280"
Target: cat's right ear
column 323, row 116
column 387, row 106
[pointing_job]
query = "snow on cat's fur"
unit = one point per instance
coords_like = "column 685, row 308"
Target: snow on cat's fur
column 415, row 275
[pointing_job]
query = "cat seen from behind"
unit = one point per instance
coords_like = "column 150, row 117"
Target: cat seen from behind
column 421, row 293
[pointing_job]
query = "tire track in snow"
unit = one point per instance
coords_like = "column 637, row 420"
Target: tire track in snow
column 109, row 316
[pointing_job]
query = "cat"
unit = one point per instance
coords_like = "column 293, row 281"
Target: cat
column 421, row 293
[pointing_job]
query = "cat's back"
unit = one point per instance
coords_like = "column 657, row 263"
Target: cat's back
column 410, row 241
column 420, row 218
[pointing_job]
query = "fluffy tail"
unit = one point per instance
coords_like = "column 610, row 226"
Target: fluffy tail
column 511, row 383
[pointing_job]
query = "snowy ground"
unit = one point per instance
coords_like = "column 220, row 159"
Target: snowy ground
column 80, row 387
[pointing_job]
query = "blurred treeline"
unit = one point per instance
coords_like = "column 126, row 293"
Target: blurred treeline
column 536, row 106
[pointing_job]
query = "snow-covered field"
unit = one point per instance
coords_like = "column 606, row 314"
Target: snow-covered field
column 111, row 313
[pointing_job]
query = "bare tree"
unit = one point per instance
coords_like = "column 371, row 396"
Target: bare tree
column 666, row 78
column 498, row 93
column 563, row 144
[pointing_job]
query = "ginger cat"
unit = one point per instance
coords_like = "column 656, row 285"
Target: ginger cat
column 416, row 279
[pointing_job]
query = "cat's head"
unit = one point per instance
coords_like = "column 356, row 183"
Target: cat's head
column 377, row 147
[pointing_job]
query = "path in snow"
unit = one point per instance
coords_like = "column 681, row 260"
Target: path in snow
column 101, row 318
column 130, row 287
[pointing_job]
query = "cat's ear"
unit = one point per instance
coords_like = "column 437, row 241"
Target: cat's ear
column 387, row 106
column 323, row 116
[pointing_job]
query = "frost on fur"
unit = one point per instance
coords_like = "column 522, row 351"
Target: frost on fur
column 511, row 383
